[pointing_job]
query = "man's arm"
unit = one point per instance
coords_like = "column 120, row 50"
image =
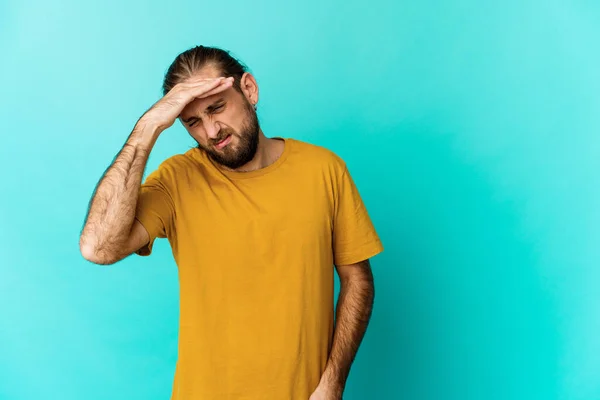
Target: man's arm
column 110, row 232
column 355, row 303
column 109, row 229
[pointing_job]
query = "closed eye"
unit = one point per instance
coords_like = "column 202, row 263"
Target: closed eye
column 218, row 108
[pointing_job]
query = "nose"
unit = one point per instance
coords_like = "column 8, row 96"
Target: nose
column 212, row 129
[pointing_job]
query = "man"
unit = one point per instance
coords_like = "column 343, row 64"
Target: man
column 256, row 225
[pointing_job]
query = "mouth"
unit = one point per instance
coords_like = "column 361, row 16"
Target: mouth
column 223, row 142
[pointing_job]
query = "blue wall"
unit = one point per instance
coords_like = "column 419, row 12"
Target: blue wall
column 471, row 129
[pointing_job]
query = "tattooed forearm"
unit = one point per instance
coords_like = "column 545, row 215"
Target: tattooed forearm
column 355, row 304
column 112, row 207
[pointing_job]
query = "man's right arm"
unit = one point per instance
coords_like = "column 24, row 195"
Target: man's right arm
column 111, row 232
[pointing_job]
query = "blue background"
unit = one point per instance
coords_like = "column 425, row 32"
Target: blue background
column 470, row 127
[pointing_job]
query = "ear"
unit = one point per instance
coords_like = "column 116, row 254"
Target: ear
column 249, row 87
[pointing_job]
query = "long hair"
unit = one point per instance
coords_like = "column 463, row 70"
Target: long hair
column 194, row 59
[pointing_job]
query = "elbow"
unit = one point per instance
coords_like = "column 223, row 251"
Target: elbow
column 91, row 254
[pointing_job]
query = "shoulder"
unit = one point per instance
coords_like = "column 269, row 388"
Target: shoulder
column 319, row 156
column 176, row 162
column 171, row 169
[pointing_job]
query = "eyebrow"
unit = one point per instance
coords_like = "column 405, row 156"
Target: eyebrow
column 214, row 105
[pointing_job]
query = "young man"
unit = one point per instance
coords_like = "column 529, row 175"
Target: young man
column 256, row 225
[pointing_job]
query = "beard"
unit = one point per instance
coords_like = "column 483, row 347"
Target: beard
column 237, row 154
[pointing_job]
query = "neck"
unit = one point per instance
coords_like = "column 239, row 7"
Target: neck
column 267, row 152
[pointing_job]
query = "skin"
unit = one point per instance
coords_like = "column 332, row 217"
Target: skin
column 111, row 233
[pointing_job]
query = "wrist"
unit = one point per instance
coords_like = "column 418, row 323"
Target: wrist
column 331, row 383
column 144, row 134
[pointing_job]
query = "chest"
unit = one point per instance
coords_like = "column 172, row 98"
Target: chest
column 252, row 214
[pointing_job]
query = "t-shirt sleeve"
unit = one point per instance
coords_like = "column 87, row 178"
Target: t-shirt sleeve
column 154, row 209
column 354, row 236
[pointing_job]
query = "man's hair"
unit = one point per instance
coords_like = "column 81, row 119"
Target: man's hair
column 196, row 58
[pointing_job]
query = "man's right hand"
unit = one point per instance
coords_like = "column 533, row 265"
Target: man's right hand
column 165, row 111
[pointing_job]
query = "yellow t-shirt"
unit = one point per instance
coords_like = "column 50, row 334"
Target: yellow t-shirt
column 255, row 253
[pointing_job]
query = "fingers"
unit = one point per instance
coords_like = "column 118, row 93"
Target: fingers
column 199, row 88
column 224, row 85
column 204, row 82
